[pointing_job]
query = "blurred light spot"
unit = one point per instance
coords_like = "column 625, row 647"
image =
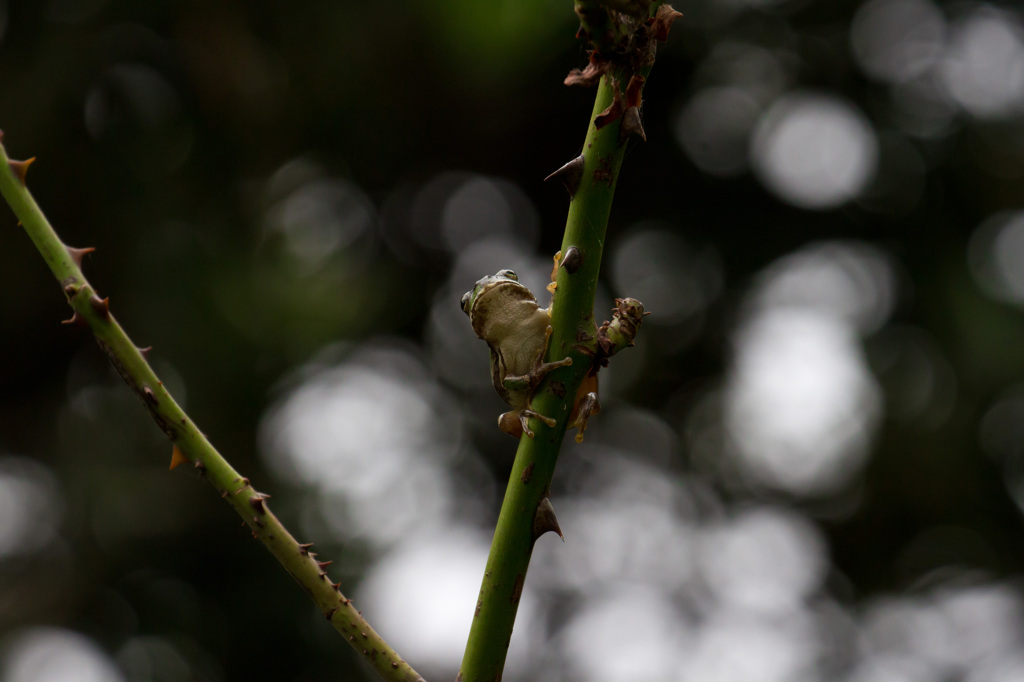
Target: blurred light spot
column 55, row 655
column 850, row 281
column 674, row 280
column 940, row 550
column 889, row 668
column 482, row 208
column 152, row 658
column 1005, row 669
column 923, row 108
column 714, row 129
column 453, row 211
column 30, row 507
column 760, row 73
column 814, row 151
column 896, row 40
column 801, row 404
column 995, row 255
column 369, row 435
column 623, row 526
column 422, row 595
column 984, row 65
column 763, row 560
column 920, row 384
column 627, row 635
column 1001, row 432
column 953, row 629
column 317, row 216
column 734, row 647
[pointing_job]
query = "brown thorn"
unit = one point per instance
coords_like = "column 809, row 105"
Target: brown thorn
column 199, row 465
column 544, row 520
column 570, row 175
column 150, row 396
column 177, row 457
column 632, row 125
column 145, row 353
column 20, row 168
column 330, row 614
column 324, row 564
column 77, row 254
column 304, row 548
column 572, row 260
column 256, row 502
column 100, row 305
column 75, row 319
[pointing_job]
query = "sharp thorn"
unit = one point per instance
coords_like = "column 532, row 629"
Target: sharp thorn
column 544, row 520
column 257, row 502
column 178, row 457
column 20, row 168
column 570, row 175
column 145, row 351
column 75, row 319
column 100, row 305
column 78, row 254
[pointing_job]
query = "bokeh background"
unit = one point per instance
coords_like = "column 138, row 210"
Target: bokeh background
column 811, row 467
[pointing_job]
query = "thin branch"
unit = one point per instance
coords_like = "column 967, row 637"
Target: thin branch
column 188, row 442
column 525, row 513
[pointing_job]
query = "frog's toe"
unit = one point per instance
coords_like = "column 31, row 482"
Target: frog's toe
column 585, row 408
column 530, row 413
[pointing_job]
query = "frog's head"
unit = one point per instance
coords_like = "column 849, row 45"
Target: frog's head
column 504, row 281
column 492, row 297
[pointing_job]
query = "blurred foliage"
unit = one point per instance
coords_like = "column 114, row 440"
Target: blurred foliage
column 267, row 184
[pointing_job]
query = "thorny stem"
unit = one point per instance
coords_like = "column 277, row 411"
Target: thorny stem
column 130, row 362
column 573, row 331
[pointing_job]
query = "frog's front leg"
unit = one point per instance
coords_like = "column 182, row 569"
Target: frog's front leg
column 530, row 380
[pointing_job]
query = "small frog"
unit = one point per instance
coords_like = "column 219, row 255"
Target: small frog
column 505, row 314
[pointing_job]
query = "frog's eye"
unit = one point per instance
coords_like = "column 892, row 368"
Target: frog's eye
column 465, row 301
column 509, row 274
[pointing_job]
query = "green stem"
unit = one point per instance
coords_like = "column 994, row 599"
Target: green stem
column 251, row 505
column 535, row 460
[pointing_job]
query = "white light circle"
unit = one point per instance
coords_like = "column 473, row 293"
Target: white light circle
column 814, row 151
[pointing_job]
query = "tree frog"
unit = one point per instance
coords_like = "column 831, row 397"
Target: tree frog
column 505, row 314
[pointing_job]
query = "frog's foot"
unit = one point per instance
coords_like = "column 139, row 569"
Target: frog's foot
column 587, row 406
column 513, row 424
column 516, row 422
